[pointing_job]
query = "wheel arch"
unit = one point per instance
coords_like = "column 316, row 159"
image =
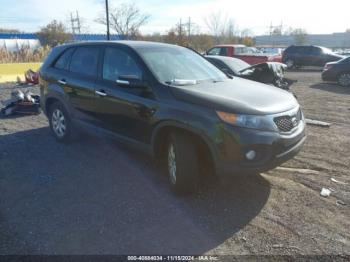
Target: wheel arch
column 204, row 146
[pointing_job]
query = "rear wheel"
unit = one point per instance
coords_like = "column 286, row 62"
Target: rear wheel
column 290, row 63
column 344, row 79
column 182, row 163
column 60, row 123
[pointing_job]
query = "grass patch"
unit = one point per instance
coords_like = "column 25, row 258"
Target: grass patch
column 17, row 68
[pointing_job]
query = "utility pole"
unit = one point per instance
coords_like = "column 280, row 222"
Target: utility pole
column 180, row 32
column 107, row 20
column 75, row 23
column 189, row 30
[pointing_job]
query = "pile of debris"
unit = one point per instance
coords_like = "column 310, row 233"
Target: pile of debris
column 21, row 103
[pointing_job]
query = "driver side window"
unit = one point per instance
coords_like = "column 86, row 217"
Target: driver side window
column 118, row 63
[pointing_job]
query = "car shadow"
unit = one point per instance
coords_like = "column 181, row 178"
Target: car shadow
column 331, row 87
column 97, row 197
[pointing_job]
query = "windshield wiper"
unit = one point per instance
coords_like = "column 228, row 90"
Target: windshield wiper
column 182, row 82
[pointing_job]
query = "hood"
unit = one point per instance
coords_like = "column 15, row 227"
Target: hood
column 237, row 95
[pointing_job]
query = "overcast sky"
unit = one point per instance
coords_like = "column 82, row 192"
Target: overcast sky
column 256, row 15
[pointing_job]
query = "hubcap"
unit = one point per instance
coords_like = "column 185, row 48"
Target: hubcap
column 344, row 80
column 58, row 123
column 172, row 163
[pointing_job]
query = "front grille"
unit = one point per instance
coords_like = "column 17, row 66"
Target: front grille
column 287, row 123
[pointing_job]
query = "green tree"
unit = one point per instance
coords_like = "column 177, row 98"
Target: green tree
column 54, row 34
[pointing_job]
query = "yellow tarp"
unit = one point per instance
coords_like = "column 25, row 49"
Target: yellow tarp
column 10, row 72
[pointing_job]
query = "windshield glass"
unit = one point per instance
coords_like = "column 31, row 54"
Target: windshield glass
column 236, row 64
column 179, row 65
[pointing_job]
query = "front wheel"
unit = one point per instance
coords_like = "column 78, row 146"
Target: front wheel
column 182, row 163
column 344, row 79
column 290, row 63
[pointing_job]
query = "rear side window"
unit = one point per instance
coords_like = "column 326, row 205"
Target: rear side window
column 316, row 51
column 84, row 61
column 63, row 60
column 117, row 63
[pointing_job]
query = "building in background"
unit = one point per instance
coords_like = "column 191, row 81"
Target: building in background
column 16, row 42
column 335, row 40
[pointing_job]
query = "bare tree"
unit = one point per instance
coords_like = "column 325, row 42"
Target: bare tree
column 216, row 24
column 126, row 19
column 223, row 28
column 300, row 36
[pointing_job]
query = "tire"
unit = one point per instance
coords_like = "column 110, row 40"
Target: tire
column 290, row 63
column 182, row 163
column 344, row 79
column 60, row 123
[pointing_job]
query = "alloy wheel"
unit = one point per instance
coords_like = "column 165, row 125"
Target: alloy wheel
column 290, row 63
column 58, row 123
column 172, row 164
column 344, row 79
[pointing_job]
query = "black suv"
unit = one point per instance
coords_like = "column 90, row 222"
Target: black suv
column 296, row 56
column 170, row 102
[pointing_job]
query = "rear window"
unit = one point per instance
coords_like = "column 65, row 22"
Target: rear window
column 84, row 61
column 290, row 49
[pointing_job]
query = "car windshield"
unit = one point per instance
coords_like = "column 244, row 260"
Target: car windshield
column 235, row 64
column 179, row 65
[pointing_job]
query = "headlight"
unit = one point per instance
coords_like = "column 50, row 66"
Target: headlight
column 247, row 121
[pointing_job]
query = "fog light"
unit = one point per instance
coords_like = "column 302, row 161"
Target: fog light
column 250, row 155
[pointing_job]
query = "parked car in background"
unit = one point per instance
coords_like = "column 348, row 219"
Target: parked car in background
column 271, row 50
column 297, row 56
column 247, row 54
column 344, row 52
column 267, row 73
column 172, row 103
column 338, row 72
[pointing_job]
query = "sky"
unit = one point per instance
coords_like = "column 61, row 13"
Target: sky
column 315, row 16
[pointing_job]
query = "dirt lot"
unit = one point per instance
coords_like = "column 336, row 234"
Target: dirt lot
column 96, row 197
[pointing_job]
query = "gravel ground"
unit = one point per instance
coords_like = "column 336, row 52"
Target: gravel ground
column 97, row 197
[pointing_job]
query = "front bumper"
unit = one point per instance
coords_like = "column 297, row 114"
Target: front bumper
column 329, row 76
column 273, row 149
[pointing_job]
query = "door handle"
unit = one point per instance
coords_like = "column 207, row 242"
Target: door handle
column 123, row 82
column 62, row 82
column 100, row 93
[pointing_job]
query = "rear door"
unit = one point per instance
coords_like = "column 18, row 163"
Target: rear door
column 125, row 110
column 79, row 84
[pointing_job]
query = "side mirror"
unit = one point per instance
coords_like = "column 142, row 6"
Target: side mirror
column 132, row 81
